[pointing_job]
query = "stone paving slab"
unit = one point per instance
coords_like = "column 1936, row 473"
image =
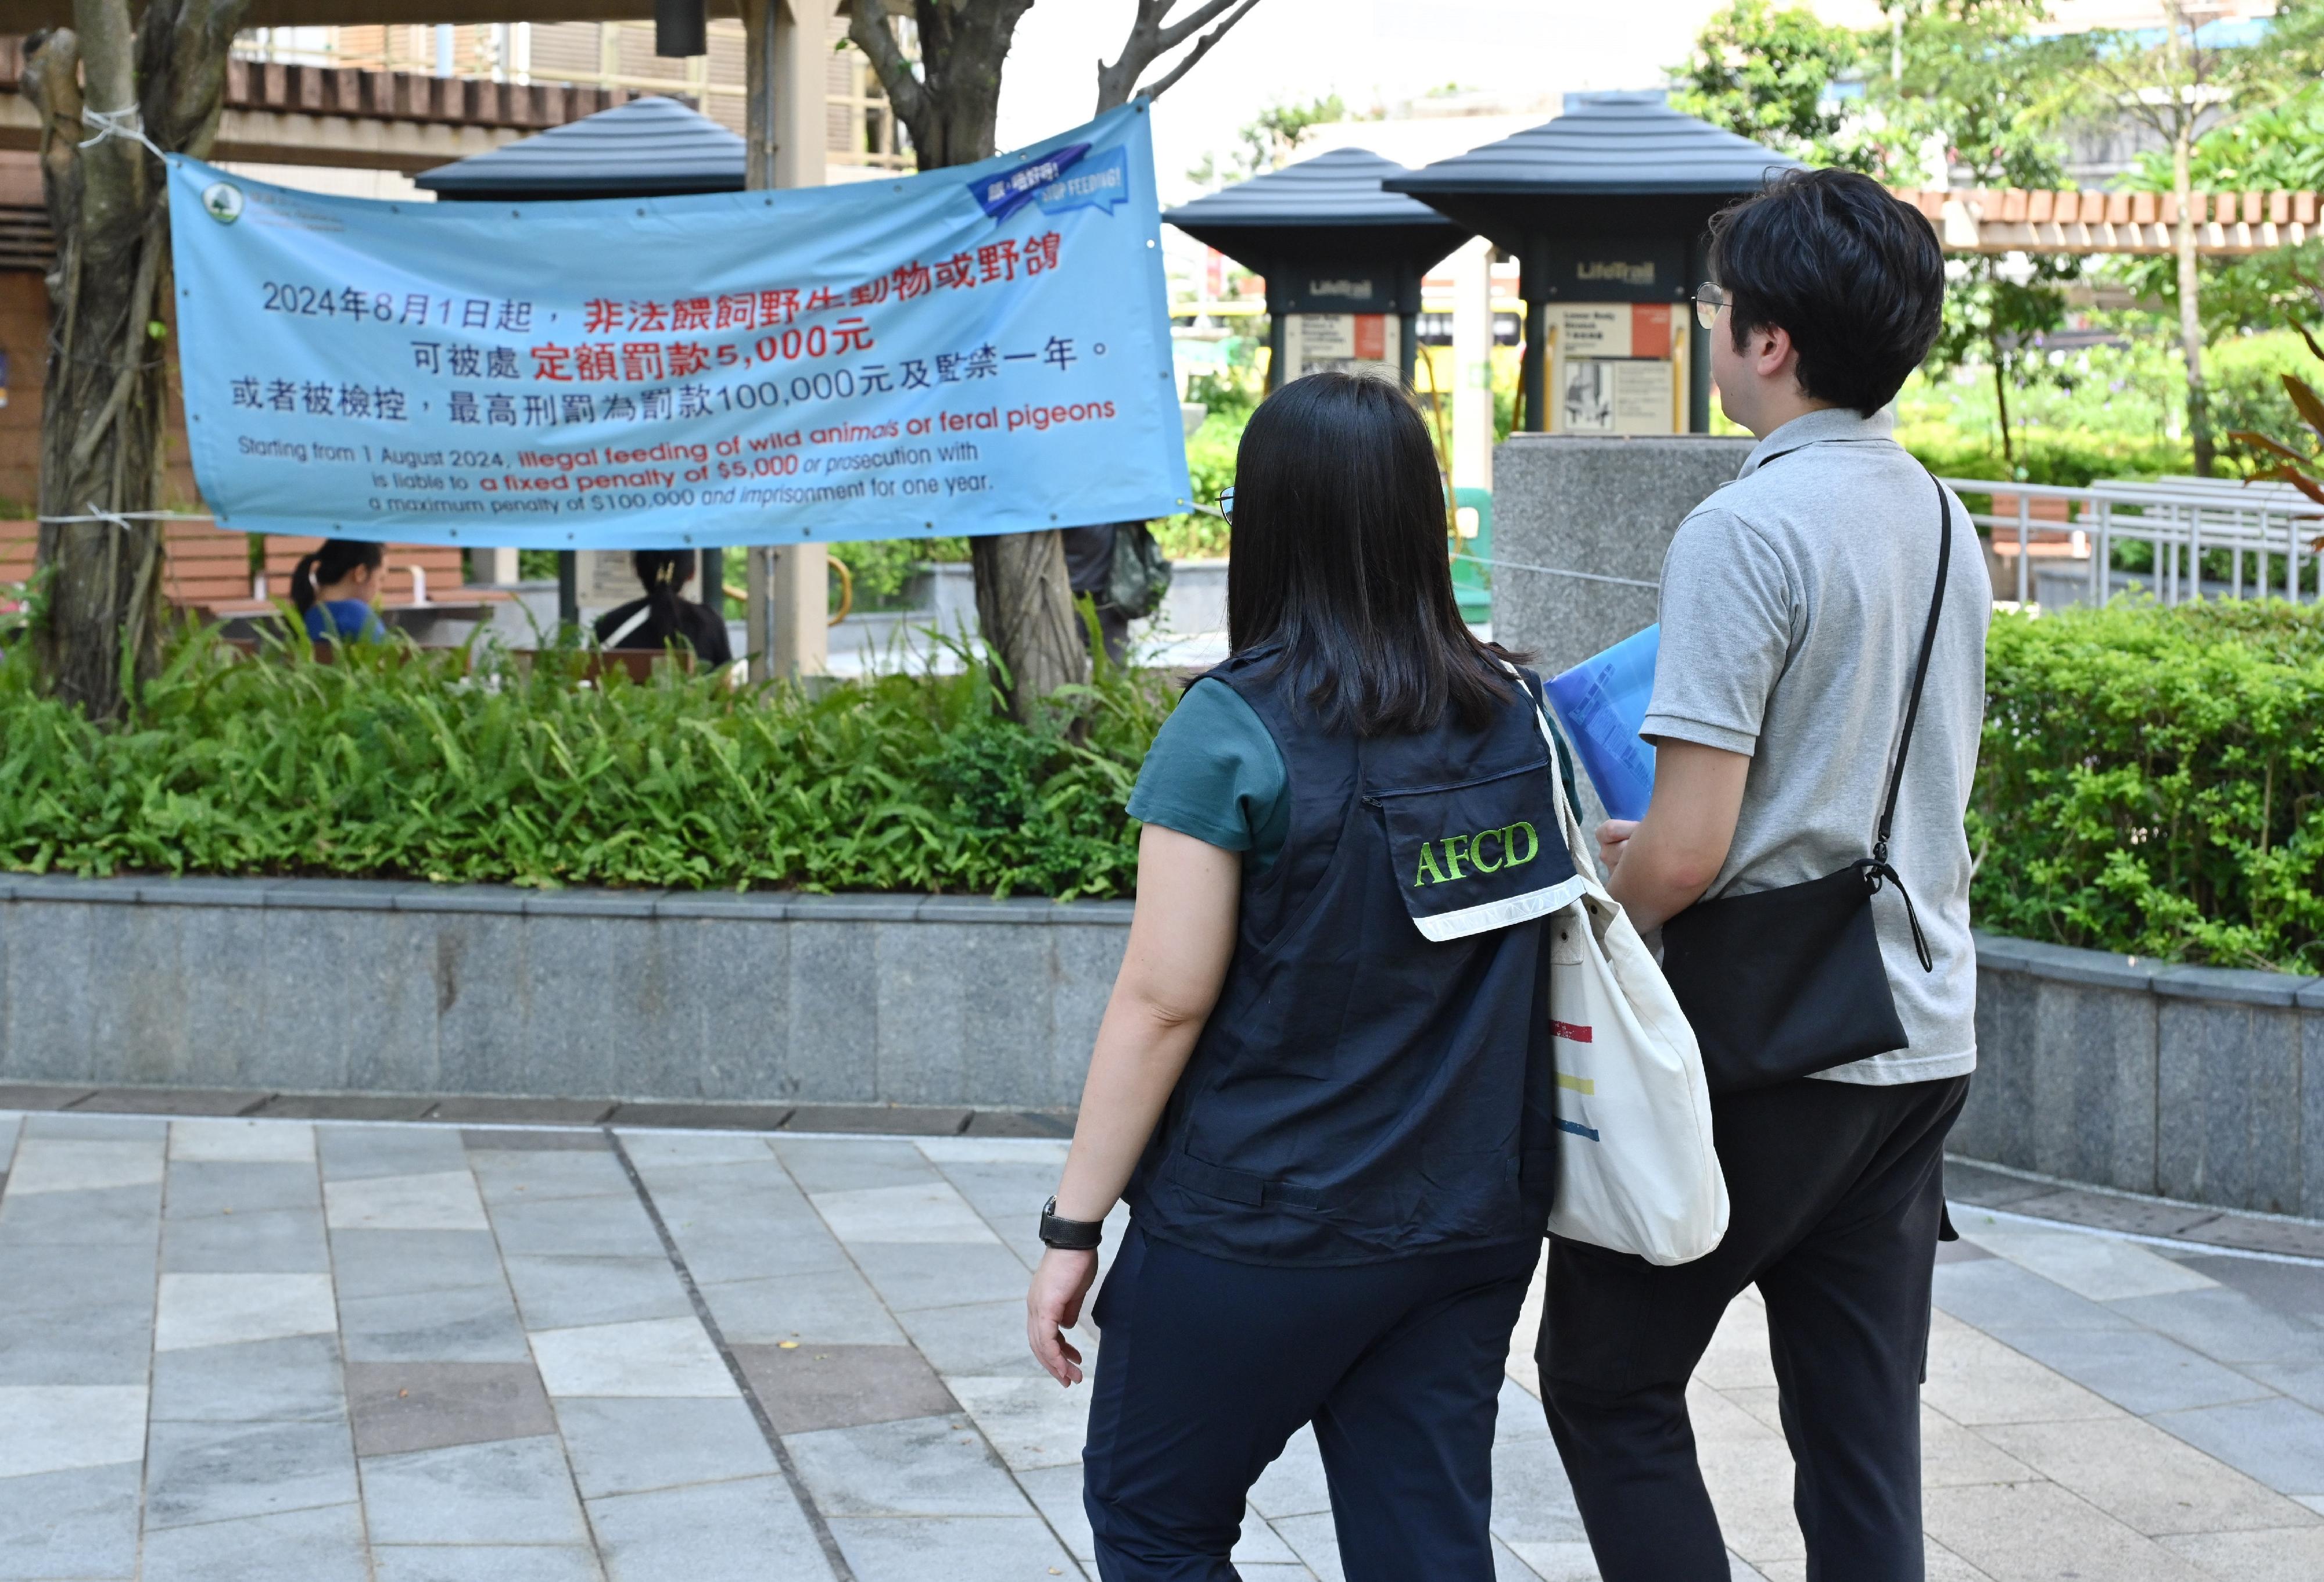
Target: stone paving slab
column 237, row 1347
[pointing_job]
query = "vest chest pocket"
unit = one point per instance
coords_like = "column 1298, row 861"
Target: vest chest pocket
column 1476, row 855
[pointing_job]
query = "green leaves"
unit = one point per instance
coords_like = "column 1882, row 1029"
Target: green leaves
column 2151, row 781
column 1774, row 75
column 398, row 763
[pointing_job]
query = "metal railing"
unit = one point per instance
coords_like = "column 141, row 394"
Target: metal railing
column 2271, row 528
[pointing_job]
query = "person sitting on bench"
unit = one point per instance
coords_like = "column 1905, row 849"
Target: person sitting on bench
column 333, row 586
column 661, row 616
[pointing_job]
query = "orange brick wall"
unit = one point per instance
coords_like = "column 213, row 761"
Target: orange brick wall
column 24, row 334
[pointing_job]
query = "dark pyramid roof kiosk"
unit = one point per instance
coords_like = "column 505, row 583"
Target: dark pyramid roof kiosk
column 1332, row 246
column 646, row 148
column 1608, row 203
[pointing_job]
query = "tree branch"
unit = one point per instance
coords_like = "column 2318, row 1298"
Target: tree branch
column 183, row 65
column 1151, row 38
column 112, row 167
column 1201, row 47
column 133, row 352
column 1176, row 33
column 869, row 31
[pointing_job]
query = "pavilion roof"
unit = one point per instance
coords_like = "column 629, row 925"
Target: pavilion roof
column 648, row 148
column 1626, row 144
column 1341, row 187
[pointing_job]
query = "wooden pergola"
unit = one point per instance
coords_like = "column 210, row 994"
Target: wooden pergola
column 2012, row 220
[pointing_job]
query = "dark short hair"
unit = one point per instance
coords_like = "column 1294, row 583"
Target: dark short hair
column 1854, row 276
column 1338, row 558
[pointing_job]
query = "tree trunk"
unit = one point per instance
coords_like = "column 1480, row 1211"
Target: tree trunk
column 98, row 631
column 2191, row 316
column 2001, row 400
column 1024, row 603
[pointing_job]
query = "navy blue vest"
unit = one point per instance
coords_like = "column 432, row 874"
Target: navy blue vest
column 1367, row 1086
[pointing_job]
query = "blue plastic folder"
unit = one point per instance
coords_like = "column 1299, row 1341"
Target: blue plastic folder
column 1603, row 702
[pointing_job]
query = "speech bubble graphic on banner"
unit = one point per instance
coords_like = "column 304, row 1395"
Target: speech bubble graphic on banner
column 1100, row 184
column 1004, row 194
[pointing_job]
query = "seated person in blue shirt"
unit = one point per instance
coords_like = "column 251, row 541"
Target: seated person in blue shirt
column 334, row 587
column 661, row 616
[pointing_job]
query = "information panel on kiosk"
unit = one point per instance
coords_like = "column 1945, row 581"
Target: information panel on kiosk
column 1617, row 338
column 1344, row 322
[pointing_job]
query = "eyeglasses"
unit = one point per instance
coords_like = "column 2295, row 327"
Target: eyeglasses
column 1226, row 502
column 1708, row 300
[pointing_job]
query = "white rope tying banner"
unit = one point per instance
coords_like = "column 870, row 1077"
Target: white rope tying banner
column 1587, row 576
column 121, row 122
column 122, row 518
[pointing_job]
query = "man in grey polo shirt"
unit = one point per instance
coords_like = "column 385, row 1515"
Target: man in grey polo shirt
column 1794, row 602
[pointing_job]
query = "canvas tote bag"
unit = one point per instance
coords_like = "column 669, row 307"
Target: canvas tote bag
column 1636, row 1172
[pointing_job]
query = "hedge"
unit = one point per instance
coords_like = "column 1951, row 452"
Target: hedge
column 2151, row 781
column 396, row 763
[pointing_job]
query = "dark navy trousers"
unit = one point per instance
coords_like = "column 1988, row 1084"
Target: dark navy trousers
column 1206, row 1367
column 1837, row 1195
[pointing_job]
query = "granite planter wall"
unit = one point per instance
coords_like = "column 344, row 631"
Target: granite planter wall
column 2190, row 1083
column 326, row 986
column 2195, row 1082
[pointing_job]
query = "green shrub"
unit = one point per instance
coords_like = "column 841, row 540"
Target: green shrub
column 1210, row 468
column 883, row 568
column 2151, row 781
column 395, row 763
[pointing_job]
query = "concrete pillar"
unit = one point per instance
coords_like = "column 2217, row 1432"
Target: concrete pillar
column 787, row 46
column 1698, row 343
column 1472, row 365
column 1277, row 329
column 1590, row 516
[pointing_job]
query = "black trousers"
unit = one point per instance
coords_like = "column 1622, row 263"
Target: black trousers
column 1837, row 1194
column 1206, row 1367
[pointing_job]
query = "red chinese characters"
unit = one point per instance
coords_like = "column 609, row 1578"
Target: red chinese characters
column 788, row 312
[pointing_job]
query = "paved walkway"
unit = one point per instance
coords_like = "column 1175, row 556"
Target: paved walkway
column 251, row 1351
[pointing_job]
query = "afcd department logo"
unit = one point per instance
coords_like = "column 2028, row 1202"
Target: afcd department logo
column 223, row 201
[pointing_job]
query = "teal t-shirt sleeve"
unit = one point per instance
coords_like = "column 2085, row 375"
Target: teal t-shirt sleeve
column 1215, row 773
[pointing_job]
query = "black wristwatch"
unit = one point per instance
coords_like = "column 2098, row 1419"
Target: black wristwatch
column 1071, row 1236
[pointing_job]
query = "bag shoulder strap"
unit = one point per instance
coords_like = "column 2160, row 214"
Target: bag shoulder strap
column 1568, row 818
column 614, row 640
column 1920, row 672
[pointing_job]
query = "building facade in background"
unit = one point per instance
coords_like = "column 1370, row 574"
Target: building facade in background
column 863, row 136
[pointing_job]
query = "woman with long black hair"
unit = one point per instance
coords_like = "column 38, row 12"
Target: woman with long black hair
column 1323, row 1083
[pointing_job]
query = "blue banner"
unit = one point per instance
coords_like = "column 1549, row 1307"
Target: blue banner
column 984, row 349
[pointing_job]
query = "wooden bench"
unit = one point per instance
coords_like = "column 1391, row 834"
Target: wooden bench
column 209, row 572
column 18, row 542
column 415, row 575
column 202, row 567
column 2050, row 535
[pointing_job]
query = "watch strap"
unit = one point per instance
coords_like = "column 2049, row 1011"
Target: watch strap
column 1073, row 1236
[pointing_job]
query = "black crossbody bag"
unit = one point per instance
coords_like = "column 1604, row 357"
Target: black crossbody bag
column 1782, row 983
